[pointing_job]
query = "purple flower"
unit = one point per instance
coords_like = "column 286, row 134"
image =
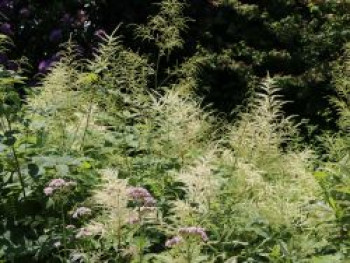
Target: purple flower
column 81, row 211
column 44, row 66
column 149, row 201
column 193, row 231
column 142, row 196
column 56, row 184
column 138, row 193
column 6, row 4
column 48, row 191
column 55, row 35
column 6, row 29
column 173, row 241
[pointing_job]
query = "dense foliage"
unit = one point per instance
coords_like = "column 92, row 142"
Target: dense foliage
column 296, row 41
column 114, row 159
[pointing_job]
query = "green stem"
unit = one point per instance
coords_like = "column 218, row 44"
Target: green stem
column 64, row 232
column 18, row 167
column 15, row 156
column 188, row 252
column 88, row 118
column 157, row 70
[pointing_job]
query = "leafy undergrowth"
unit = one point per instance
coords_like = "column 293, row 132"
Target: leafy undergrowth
column 97, row 167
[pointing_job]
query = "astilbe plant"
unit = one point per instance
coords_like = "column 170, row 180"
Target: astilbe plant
column 333, row 175
column 267, row 186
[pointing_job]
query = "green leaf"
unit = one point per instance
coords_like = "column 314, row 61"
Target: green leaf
column 33, row 170
column 62, row 169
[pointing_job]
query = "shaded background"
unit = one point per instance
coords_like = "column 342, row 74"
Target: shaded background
column 296, row 41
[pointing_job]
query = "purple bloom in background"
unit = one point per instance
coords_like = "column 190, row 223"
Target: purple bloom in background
column 6, row 29
column 44, row 66
column 138, row 193
column 56, row 184
column 6, row 4
column 142, row 196
column 48, row 191
column 81, row 211
column 55, row 57
column 55, row 35
column 173, row 241
column 194, row 231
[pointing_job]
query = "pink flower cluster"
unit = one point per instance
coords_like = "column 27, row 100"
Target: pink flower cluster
column 194, row 231
column 56, row 184
column 173, row 241
column 81, row 211
column 184, row 232
column 142, row 196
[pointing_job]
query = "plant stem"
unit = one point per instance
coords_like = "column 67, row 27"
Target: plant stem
column 88, row 118
column 157, row 70
column 15, row 156
column 188, row 252
column 64, row 232
column 18, row 167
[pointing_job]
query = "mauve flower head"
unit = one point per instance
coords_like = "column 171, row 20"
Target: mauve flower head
column 57, row 183
column 48, row 191
column 55, row 35
column 141, row 195
column 6, row 29
column 44, row 66
column 70, row 227
column 194, row 231
column 138, row 193
column 81, row 211
column 173, row 241
column 149, row 201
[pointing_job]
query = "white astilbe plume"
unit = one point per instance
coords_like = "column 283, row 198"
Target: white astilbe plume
column 182, row 124
column 112, row 197
column 258, row 135
column 201, row 183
